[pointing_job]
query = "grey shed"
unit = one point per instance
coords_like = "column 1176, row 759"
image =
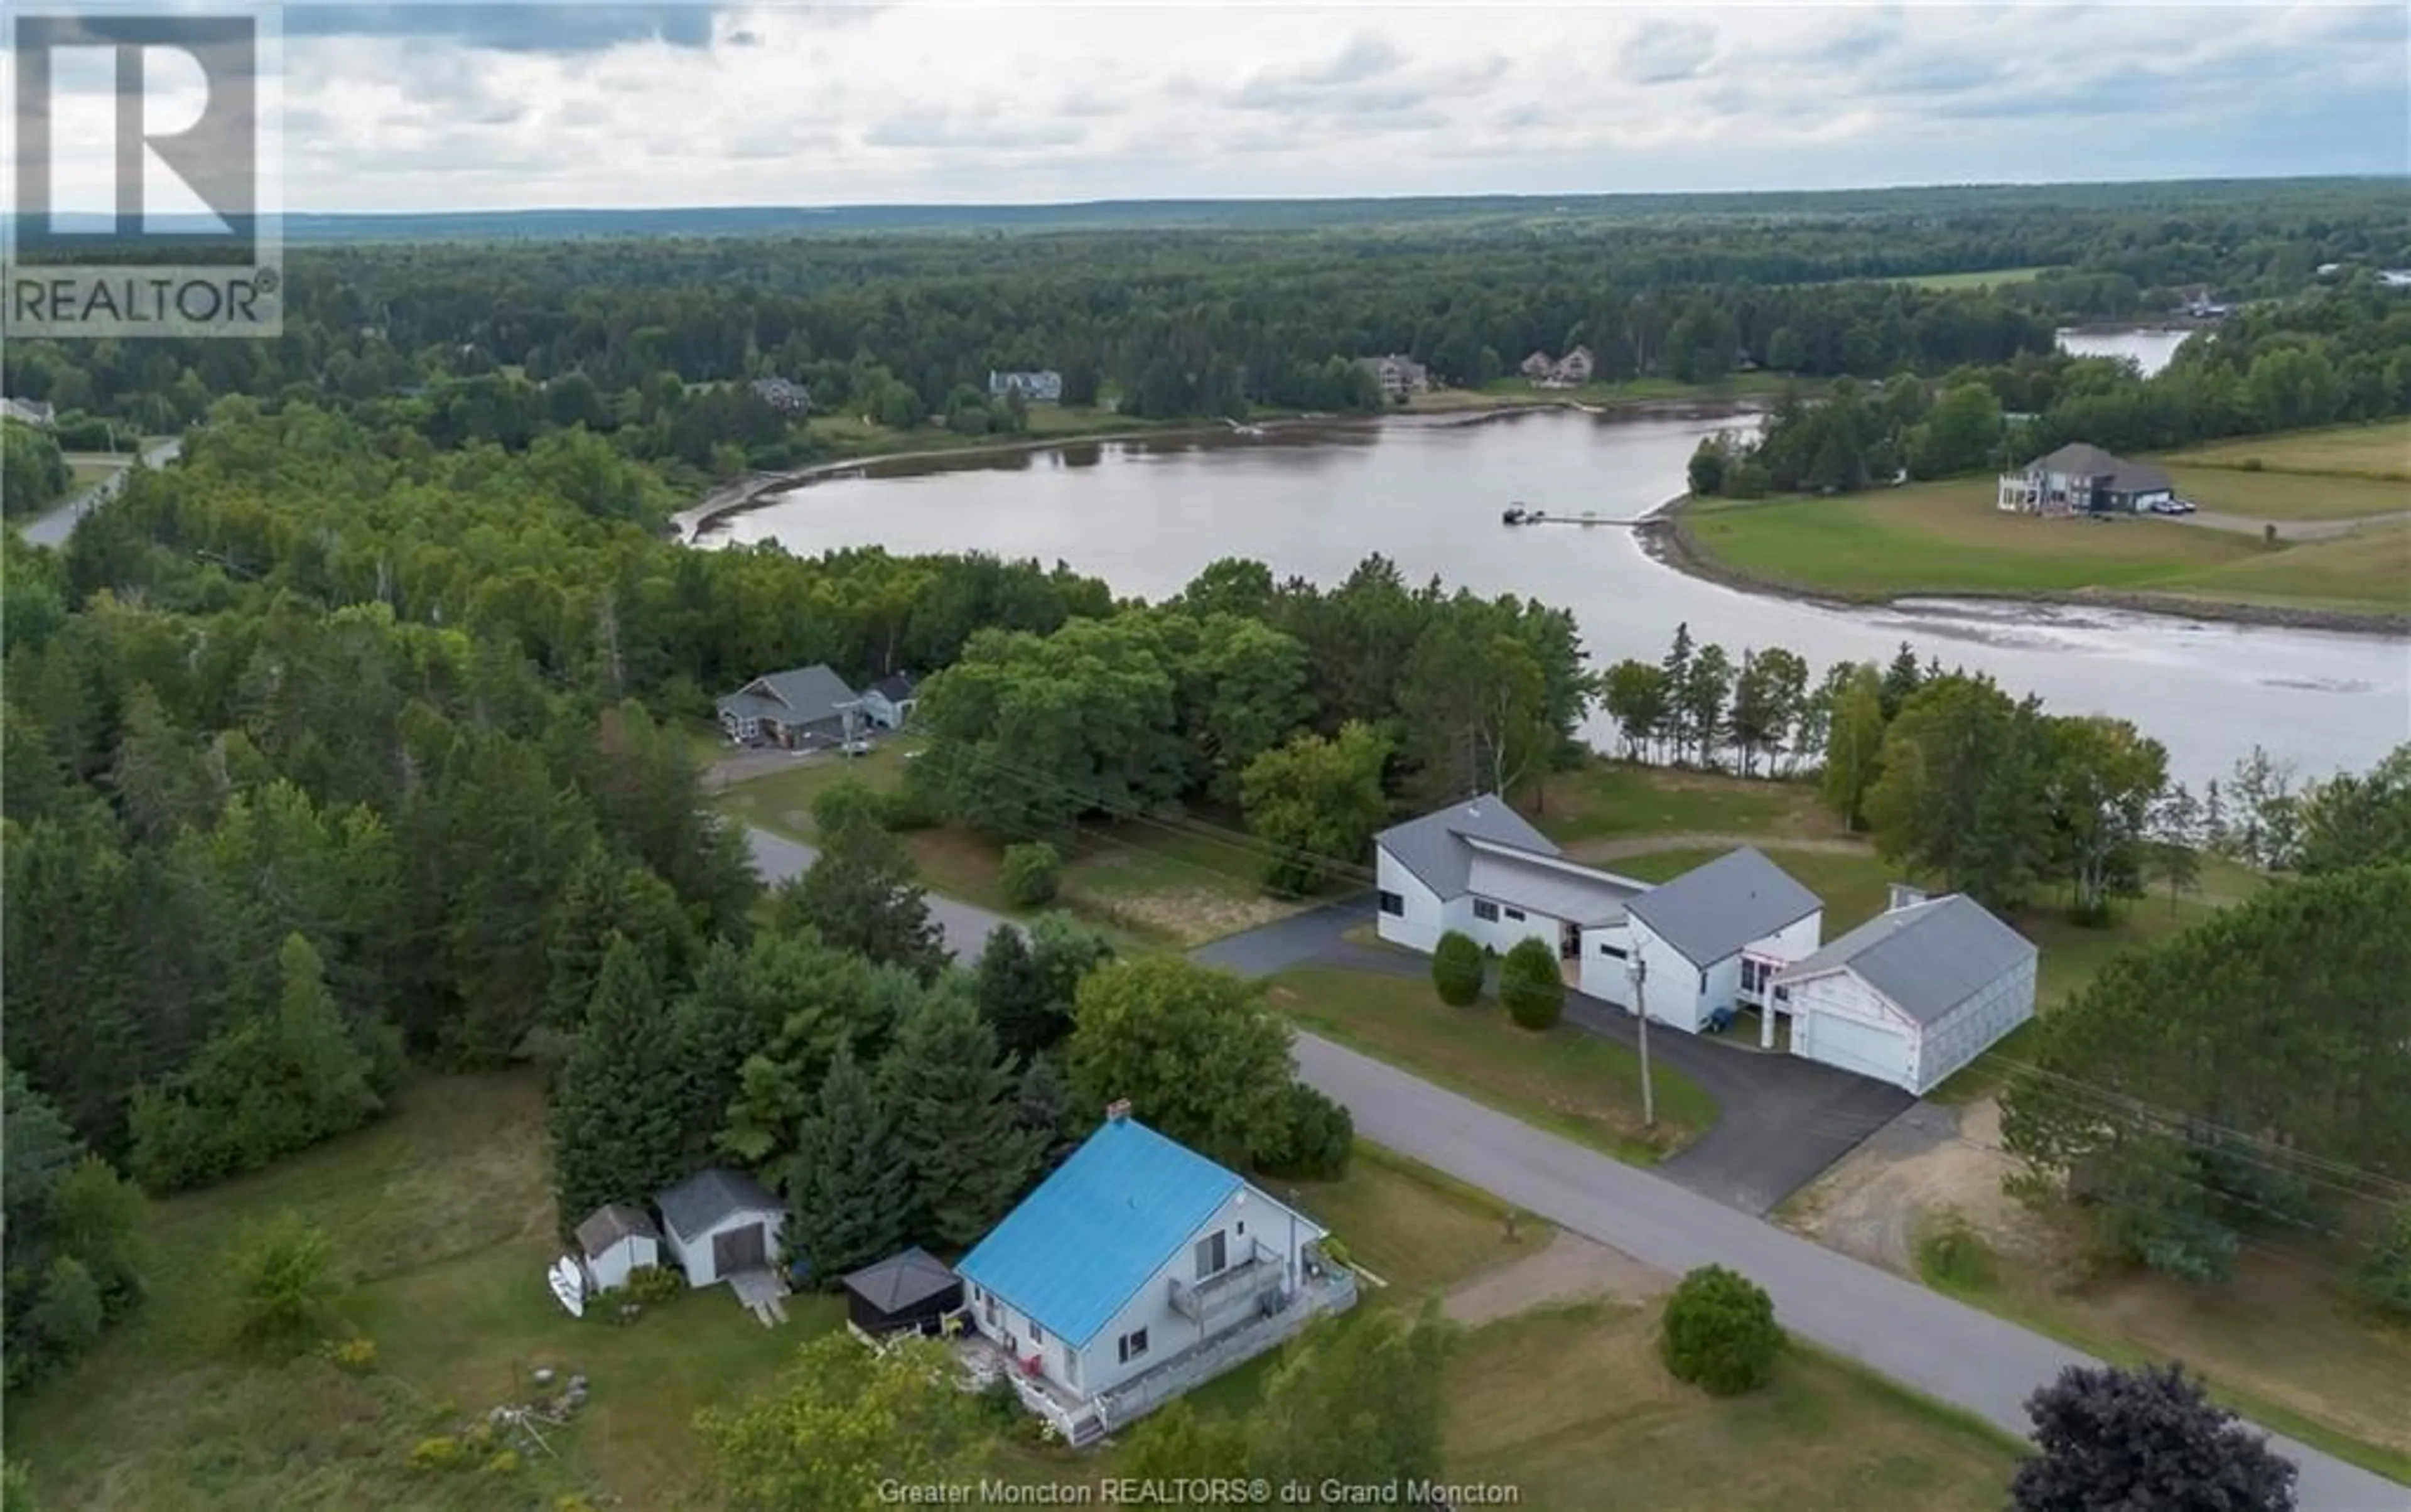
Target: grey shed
column 611, row 1223
column 1927, row 958
column 1710, row 912
column 706, row 1197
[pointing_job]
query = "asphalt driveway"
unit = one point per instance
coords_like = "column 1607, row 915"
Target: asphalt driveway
column 1782, row 1120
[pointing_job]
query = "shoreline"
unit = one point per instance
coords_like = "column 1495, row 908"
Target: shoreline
column 1666, row 537
column 756, row 489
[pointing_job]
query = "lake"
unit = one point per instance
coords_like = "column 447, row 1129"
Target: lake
column 1146, row 516
column 2151, row 349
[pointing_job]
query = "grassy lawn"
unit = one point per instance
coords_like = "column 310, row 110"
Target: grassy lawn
column 1852, row 885
column 1171, row 883
column 2370, row 568
column 1606, row 800
column 1519, row 390
column 2289, row 495
column 850, row 435
column 1982, row 278
column 2377, row 451
column 1571, row 1083
column 1420, row 1231
column 442, row 1215
column 84, row 470
column 1573, row 1406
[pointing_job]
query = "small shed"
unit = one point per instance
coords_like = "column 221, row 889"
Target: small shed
column 615, row 1240
column 914, row 1290
column 719, row 1222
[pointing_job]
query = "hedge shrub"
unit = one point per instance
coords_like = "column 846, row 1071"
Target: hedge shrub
column 1311, row 1139
column 1457, row 969
column 1719, row 1332
column 1532, row 985
column 1031, row 873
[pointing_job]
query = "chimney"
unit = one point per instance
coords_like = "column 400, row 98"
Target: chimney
column 1903, row 896
column 1118, row 1111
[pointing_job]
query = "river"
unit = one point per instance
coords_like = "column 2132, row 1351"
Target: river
column 2151, row 349
column 1427, row 494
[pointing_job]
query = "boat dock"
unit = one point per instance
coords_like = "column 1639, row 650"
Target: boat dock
column 1515, row 514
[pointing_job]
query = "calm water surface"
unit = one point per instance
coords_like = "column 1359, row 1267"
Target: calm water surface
column 1145, row 517
column 2151, row 349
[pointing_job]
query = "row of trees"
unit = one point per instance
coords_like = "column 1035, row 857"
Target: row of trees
column 2335, row 354
column 33, row 473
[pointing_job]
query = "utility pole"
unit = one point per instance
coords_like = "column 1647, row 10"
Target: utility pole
column 1641, row 1006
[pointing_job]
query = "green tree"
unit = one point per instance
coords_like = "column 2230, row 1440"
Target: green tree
column 2349, row 820
column 1963, row 790
column 1532, row 985
column 1315, row 1138
column 1641, row 701
column 2101, row 777
column 2176, row 840
column 1961, row 434
column 606, row 898
column 1194, row 1051
column 282, row 1285
column 1458, row 969
column 2148, row 1440
column 33, row 473
column 849, row 1187
column 1766, row 702
column 1175, row 1445
column 616, row 1116
column 862, row 896
column 1473, row 704
column 1854, row 747
column 100, row 1218
column 66, row 1316
column 1316, row 804
column 1031, row 873
column 955, row 1110
column 1719, row 1332
column 1701, row 703
column 1358, row 1401
column 844, row 1427
column 2383, row 1278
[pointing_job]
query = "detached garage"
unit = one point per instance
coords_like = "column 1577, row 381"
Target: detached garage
column 718, row 1222
column 1911, row 995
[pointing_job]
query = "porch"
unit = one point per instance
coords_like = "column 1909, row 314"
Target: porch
column 1328, row 1289
column 1075, row 1419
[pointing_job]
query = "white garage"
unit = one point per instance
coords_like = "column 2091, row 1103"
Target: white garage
column 1911, row 995
column 718, row 1222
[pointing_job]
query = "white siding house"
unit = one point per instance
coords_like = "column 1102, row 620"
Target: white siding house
column 615, row 1240
column 890, row 701
column 1913, row 995
column 1480, row 870
column 718, row 1222
column 1140, row 1269
column 1706, row 944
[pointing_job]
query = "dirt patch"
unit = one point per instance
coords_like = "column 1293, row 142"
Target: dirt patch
column 744, row 765
column 1189, row 915
column 1571, row 1269
column 1930, row 1161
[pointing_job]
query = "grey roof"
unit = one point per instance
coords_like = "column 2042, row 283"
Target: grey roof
column 798, row 696
column 611, row 1223
column 1927, row 958
column 703, row 1200
column 894, row 687
column 1430, row 848
column 1547, row 885
column 1710, row 912
column 2082, row 460
column 902, row 1281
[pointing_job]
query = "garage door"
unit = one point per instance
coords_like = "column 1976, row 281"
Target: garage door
column 1870, row 1049
column 740, row 1248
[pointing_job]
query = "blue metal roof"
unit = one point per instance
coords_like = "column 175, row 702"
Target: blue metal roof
column 1082, row 1245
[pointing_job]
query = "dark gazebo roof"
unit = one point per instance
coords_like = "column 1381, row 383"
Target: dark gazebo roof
column 902, row 1281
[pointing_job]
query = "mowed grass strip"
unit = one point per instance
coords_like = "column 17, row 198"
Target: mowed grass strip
column 2368, row 570
column 1562, row 1079
column 2382, row 450
column 1573, row 1408
column 2289, row 495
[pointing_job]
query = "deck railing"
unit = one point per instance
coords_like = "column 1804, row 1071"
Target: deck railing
column 1332, row 1292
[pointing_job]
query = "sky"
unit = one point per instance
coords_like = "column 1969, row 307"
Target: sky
column 414, row 107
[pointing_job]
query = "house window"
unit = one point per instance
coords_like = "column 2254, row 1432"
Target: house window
column 1754, row 975
column 1515, row 913
column 1037, row 1334
column 1134, row 1345
column 1393, row 904
column 1614, row 950
column 987, row 1308
column 1211, row 1255
column 1485, row 910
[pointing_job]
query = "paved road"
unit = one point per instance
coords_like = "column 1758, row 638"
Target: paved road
column 54, row 528
column 1921, row 1337
column 2287, row 530
column 1782, row 1120
column 777, row 858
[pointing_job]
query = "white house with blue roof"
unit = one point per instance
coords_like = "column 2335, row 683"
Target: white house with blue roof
column 1137, row 1271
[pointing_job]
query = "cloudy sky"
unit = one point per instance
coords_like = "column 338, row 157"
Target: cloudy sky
column 408, row 106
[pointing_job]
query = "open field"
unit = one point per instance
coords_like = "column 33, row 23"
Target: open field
column 850, row 435
column 1572, row 1083
column 2288, row 496
column 1507, row 392
column 1947, row 538
column 1574, row 1407
column 1177, row 883
column 2377, row 451
column 1982, row 278
column 84, row 469
column 1608, row 800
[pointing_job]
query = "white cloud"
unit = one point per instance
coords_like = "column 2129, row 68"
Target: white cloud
column 499, row 107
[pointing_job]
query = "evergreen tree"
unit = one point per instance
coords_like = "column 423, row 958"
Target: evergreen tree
column 1043, row 1109
column 956, row 1119
column 617, row 1134
column 1012, row 992
column 850, row 1186
column 861, row 896
column 1901, row 680
column 607, row 896
column 715, row 1031
column 1853, row 747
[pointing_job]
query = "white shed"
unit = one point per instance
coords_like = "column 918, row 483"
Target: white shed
column 614, row 1239
column 1913, row 995
column 719, row 1222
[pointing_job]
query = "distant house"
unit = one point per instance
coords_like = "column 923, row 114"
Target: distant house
column 2082, row 480
column 1913, row 995
column 799, row 708
column 1575, row 368
column 1044, row 387
column 1138, row 1270
column 718, row 1222
column 890, row 701
column 2394, row 278
column 28, row 411
column 784, row 395
column 1709, row 943
column 1398, row 375
column 615, row 1240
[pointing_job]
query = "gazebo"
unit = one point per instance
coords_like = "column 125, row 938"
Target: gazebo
column 911, row 1291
